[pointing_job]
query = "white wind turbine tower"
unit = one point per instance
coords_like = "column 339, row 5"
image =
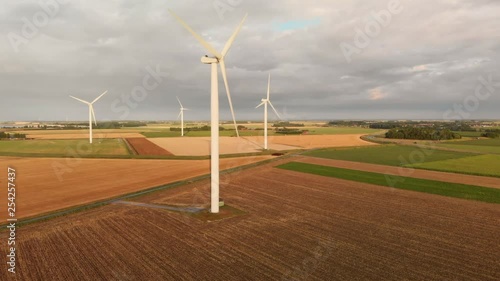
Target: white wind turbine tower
column 181, row 115
column 265, row 102
column 214, row 105
column 91, row 112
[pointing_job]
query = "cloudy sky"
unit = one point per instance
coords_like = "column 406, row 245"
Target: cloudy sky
column 329, row 59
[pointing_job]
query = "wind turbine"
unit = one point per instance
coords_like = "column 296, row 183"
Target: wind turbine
column 214, row 104
column 91, row 112
column 181, row 115
column 265, row 102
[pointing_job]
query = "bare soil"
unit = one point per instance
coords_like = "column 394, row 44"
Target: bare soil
column 296, row 227
column 186, row 146
column 144, row 147
column 317, row 141
column 49, row 184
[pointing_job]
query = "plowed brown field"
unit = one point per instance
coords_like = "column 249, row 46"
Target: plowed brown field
column 297, row 227
column 144, row 147
column 81, row 181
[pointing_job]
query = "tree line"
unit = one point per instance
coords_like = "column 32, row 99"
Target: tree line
column 4, row 135
column 195, row 129
column 421, row 134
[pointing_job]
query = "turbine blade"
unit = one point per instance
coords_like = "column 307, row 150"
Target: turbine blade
column 229, row 42
column 268, row 86
column 93, row 114
column 80, row 100
column 179, row 101
column 198, row 37
column 275, row 111
column 261, row 104
column 223, row 70
column 180, row 112
column 99, row 96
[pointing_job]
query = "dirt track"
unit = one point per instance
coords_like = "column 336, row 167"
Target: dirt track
column 144, row 147
column 40, row 190
column 405, row 172
column 297, row 227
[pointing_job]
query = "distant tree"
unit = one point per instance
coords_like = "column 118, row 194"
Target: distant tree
column 493, row 135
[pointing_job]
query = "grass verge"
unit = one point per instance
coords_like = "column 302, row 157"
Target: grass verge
column 463, row 191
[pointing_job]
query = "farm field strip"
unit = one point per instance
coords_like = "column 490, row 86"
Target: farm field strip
column 184, row 146
column 471, row 192
column 393, row 171
column 393, row 155
column 256, row 130
column 143, row 146
column 488, row 165
column 421, row 157
column 333, row 227
column 82, row 181
column 470, row 148
column 83, row 136
column 317, row 141
column 480, row 142
column 82, row 131
column 100, row 147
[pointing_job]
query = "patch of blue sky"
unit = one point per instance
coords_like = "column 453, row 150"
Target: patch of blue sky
column 296, row 24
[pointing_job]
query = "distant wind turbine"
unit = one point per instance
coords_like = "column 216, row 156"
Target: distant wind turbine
column 265, row 102
column 91, row 112
column 218, row 59
column 181, row 115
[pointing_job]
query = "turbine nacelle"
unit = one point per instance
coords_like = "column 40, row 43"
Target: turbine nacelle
column 209, row 60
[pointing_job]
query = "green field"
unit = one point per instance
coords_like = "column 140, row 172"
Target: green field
column 229, row 132
column 484, row 165
column 470, row 192
column 226, row 133
column 392, row 155
column 64, row 147
column 83, row 131
column 468, row 134
column 340, row 130
column 480, row 142
column 479, row 146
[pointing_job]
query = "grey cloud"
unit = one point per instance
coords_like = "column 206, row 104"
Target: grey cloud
column 427, row 59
